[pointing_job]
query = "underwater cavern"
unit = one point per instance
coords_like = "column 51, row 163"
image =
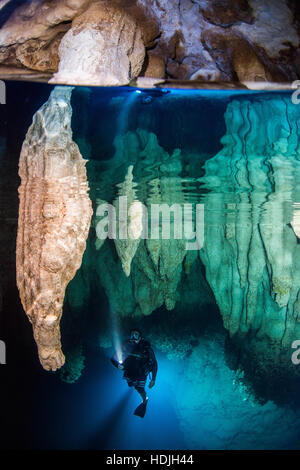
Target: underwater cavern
column 111, row 102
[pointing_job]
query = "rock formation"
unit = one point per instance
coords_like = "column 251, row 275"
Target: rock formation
column 226, row 40
column 104, row 42
column 54, row 220
column 103, row 47
column 129, row 225
column 156, row 265
column 31, row 35
column 251, row 253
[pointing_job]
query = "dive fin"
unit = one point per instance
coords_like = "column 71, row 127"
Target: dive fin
column 114, row 362
column 141, row 409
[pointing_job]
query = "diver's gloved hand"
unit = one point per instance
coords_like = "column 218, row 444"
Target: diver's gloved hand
column 120, row 366
column 152, row 383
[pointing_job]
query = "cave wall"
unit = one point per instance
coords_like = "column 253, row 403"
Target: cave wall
column 251, row 250
column 113, row 43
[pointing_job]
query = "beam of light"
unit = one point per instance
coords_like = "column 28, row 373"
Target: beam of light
column 124, row 115
column 116, row 338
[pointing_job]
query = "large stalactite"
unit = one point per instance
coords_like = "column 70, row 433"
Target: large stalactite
column 54, row 220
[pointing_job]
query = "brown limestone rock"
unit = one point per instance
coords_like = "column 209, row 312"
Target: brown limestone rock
column 103, row 47
column 226, row 12
column 31, row 36
column 39, row 55
column 103, row 42
column 237, row 57
column 155, row 67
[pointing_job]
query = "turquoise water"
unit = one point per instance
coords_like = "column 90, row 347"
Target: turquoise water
column 222, row 319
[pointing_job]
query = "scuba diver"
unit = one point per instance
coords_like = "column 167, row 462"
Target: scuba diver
column 138, row 362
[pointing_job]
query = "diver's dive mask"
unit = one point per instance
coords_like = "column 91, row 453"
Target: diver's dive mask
column 135, row 336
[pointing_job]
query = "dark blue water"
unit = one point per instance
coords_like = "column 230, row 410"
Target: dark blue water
column 96, row 412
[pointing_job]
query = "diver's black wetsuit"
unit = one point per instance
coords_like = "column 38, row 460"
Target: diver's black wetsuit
column 139, row 361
